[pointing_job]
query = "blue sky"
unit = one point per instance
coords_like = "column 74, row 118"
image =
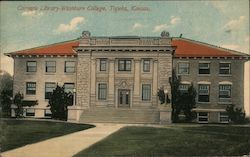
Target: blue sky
column 30, row 24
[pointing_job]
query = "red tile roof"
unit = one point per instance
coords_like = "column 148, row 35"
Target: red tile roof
column 63, row 48
column 191, row 48
column 185, row 48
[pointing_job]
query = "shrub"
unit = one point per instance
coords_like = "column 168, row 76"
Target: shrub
column 6, row 102
column 58, row 103
column 18, row 101
column 235, row 114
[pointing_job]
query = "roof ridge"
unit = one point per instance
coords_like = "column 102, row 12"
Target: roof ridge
column 213, row 46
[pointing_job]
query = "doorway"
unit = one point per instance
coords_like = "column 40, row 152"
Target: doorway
column 124, row 98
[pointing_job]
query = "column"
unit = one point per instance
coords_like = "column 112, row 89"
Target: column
column 111, row 83
column 93, row 83
column 155, row 82
column 137, row 77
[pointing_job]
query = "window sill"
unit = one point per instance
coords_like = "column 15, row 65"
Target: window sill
column 69, row 73
column 204, row 74
column 50, row 73
column 225, row 75
column 224, row 103
column 204, row 102
column 30, row 73
column 183, row 74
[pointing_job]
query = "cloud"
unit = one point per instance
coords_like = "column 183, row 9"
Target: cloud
column 137, row 25
column 235, row 24
column 72, row 26
column 230, row 46
column 32, row 13
column 159, row 28
column 175, row 20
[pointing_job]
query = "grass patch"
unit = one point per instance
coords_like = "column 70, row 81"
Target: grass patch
column 17, row 133
column 174, row 141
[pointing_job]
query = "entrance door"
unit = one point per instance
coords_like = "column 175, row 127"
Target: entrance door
column 124, row 98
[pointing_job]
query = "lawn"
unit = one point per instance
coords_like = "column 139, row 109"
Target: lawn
column 17, row 133
column 198, row 140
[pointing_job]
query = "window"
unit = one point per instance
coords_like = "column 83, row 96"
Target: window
column 184, row 88
column 146, row 92
column 183, row 68
column 69, row 67
column 224, row 91
column 50, row 66
column 69, row 87
column 124, row 65
column 103, row 64
column 30, row 112
column 203, row 93
column 47, row 113
column 30, row 88
column 102, row 91
column 146, row 65
column 49, row 87
column 31, row 66
column 203, row 117
column 225, row 68
column 204, row 68
column 223, row 117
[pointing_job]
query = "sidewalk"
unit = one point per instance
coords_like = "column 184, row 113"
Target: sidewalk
column 65, row 146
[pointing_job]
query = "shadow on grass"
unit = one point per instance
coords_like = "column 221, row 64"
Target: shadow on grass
column 174, row 141
column 17, row 133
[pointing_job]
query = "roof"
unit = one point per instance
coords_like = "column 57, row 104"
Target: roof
column 63, row 48
column 191, row 48
column 185, row 48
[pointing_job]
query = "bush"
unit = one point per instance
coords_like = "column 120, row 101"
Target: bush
column 236, row 115
column 6, row 102
column 18, row 101
column 58, row 103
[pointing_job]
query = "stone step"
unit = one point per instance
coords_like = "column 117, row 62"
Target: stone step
column 120, row 115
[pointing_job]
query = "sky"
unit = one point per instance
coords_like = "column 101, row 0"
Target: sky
column 30, row 24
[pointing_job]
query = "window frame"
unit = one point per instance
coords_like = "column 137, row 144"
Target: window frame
column 224, row 68
column 125, row 65
column 49, row 66
column 46, row 95
column 72, row 91
column 69, row 67
column 105, row 64
column 204, row 68
column 221, row 90
column 28, row 66
column 223, row 116
column 146, row 93
column 179, row 67
column 102, row 96
column 203, row 117
column 29, row 114
column 182, row 90
column 146, row 65
column 28, row 91
column 202, row 94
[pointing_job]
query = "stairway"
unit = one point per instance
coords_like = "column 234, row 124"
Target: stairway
column 120, row 115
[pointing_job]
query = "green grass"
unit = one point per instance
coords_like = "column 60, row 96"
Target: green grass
column 174, row 141
column 17, row 133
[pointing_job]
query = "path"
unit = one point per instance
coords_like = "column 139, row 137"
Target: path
column 67, row 145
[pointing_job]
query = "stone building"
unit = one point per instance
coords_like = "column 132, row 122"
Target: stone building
column 116, row 79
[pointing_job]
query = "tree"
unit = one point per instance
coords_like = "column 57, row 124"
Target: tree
column 188, row 103
column 235, row 114
column 6, row 81
column 18, row 101
column 58, row 103
column 6, row 101
column 176, row 95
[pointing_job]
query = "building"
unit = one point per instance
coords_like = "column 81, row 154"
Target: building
column 116, row 79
